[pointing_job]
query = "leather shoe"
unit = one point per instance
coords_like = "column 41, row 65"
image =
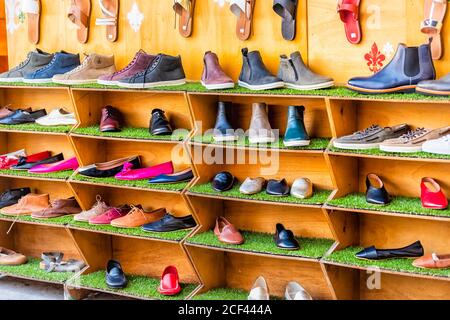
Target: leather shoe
column 278, row 188
column 115, row 277
column 138, row 217
column 128, row 173
column 223, row 181
column 371, row 253
column 285, row 239
column 159, row 125
column 433, row 261
column 182, row 176
column 111, row 120
column 22, row 116
column 110, row 168
column 226, row 232
column 170, row 223
column 432, row 199
column 12, row 196
column 376, row 194
column 25, row 165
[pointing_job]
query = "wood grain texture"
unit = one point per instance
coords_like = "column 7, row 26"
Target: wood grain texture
column 37, row 98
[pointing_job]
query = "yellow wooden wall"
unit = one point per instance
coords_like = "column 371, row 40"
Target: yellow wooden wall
column 321, row 37
column 214, row 29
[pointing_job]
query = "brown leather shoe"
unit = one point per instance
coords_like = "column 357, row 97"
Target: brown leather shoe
column 111, row 120
column 58, row 208
column 138, row 217
column 27, row 205
column 227, row 233
column 433, row 261
column 11, row 258
column 213, row 77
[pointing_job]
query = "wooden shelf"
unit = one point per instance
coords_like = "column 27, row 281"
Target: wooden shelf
column 60, row 176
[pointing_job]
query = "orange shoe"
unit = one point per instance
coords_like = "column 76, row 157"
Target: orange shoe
column 27, row 205
column 138, row 217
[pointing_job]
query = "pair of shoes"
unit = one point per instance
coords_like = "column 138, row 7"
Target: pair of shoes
column 53, row 262
column 43, row 162
column 260, row 130
column 112, row 121
column 293, row 73
column 294, row 291
column 148, row 71
column 23, row 116
column 302, row 188
column 38, row 206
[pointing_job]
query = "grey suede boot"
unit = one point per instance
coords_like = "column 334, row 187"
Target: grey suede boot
column 35, row 60
column 260, row 130
column 296, row 75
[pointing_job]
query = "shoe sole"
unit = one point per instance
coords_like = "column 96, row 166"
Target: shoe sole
column 162, row 132
column 402, row 89
column 298, row 143
column 12, row 80
column 218, row 86
column 318, row 86
column 152, row 85
column 436, row 152
column 269, row 86
column 351, row 146
column 38, row 80
column 262, row 141
column 225, row 138
column 435, row 93
column 400, row 149
column 74, row 82
column 56, row 124
column 107, row 83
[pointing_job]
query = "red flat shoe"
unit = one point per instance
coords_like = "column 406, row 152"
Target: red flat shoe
column 432, row 199
column 170, row 283
column 349, row 13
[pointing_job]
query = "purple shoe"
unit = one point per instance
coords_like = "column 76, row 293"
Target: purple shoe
column 139, row 63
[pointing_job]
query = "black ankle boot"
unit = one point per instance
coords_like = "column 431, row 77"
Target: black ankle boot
column 409, row 66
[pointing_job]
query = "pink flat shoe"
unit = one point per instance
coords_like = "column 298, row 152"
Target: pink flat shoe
column 144, row 173
column 70, row 164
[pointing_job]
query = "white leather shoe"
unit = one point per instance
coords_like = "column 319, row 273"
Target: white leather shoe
column 259, row 291
column 294, row 291
column 58, row 117
column 302, row 188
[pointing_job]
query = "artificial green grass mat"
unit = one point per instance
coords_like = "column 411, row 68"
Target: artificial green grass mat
column 378, row 152
column 138, row 286
column 221, row 294
column 319, row 197
column 23, row 84
column 347, row 256
column 264, row 243
column 338, row 92
column 132, row 133
column 60, row 175
column 31, row 270
column 410, row 206
column 36, row 128
column 60, row 221
column 143, row 184
column 138, row 232
column 316, row 144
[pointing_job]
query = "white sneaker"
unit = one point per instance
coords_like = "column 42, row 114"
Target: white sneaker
column 97, row 209
column 439, row 146
column 58, row 117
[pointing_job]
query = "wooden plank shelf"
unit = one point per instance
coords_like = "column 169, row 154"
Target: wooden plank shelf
column 36, row 129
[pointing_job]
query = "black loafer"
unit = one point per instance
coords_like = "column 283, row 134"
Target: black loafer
column 22, row 116
column 278, row 188
column 376, row 194
column 414, row 250
column 285, row 239
column 159, row 125
column 115, row 277
column 223, row 181
column 182, row 176
column 94, row 172
column 170, row 223
column 23, row 165
column 12, row 196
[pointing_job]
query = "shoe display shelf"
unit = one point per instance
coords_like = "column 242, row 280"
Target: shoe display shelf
column 143, row 255
column 358, row 224
column 228, row 271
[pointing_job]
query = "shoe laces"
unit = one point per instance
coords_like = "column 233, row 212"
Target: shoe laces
column 368, row 130
column 52, row 62
column 20, row 205
column 23, row 63
column 148, row 70
column 99, row 204
column 413, row 134
column 131, row 64
column 135, row 210
column 86, row 60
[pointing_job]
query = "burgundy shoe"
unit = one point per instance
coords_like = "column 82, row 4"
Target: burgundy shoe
column 213, row 76
column 140, row 63
column 111, row 120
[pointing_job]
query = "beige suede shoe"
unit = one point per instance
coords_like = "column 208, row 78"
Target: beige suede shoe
column 260, row 130
column 93, row 67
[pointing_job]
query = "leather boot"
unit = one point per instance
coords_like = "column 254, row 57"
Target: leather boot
column 409, row 66
column 213, row 77
column 260, row 130
column 254, row 74
column 223, row 131
column 296, row 135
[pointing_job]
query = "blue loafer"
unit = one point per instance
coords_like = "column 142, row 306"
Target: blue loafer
column 182, row 176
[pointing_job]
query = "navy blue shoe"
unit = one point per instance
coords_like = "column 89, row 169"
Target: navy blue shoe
column 182, row 176
column 61, row 63
column 409, row 66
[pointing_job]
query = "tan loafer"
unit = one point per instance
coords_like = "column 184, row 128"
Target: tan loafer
column 11, row 258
